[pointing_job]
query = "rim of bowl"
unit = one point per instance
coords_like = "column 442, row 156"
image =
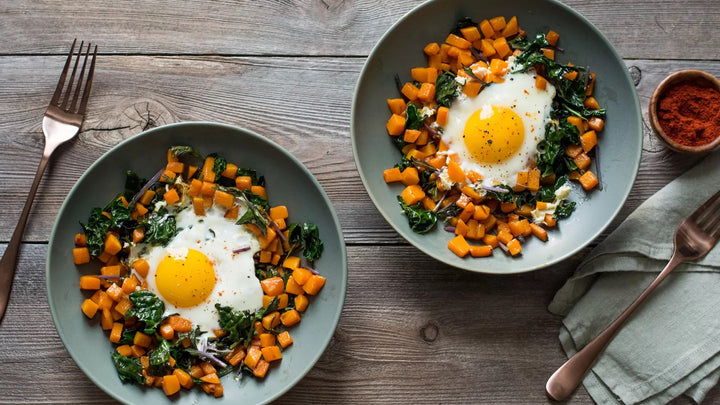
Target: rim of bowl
column 687, row 75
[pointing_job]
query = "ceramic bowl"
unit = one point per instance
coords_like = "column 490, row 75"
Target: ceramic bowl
column 698, row 77
column 401, row 49
column 288, row 182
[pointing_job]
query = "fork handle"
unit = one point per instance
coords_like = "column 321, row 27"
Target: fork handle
column 9, row 258
column 571, row 374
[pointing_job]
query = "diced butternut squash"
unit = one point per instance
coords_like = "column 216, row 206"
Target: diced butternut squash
column 396, row 124
column 261, row 368
column 284, row 339
column 396, row 105
column 412, row 194
column 481, row 251
column 588, row 180
column 116, row 332
column 89, row 283
column 410, row 91
column 442, row 116
column 596, row 124
column 392, row 175
column 179, row 324
column 301, row 303
column 459, row 246
column 314, row 284
column 273, row 286
column 588, row 140
column 170, row 384
column 514, row 247
column 582, row 160
column 539, row 232
column 552, row 37
column 271, row 353
column 458, row 42
column 184, row 378
column 89, row 308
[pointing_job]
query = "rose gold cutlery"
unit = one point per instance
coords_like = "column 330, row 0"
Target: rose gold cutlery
column 61, row 122
column 694, row 238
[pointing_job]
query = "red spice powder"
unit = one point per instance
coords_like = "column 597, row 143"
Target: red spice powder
column 690, row 114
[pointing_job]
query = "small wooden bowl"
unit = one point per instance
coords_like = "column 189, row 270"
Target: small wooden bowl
column 695, row 76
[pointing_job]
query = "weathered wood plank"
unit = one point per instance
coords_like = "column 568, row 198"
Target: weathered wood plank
column 441, row 324
column 638, row 29
column 303, row 104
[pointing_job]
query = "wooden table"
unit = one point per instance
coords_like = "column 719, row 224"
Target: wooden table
column 412, row 330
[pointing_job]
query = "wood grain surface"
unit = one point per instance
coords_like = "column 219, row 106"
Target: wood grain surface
column 412, row 330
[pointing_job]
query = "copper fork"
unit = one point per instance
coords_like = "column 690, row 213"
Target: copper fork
column 694, row 238
column 61, row 122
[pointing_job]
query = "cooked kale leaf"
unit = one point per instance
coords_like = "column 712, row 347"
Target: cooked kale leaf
column 159, row 227
column 570, row 93
column 159, row 358
column 129, row 369
column 413, row 118
column 419, row 219
column 446, row 89
column 551, row 151
column 148, row 308
column 219, row 164
column 133, row 184
column 306, row 236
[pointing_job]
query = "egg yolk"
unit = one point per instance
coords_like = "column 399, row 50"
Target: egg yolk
column 493, row 136
column 185, row 282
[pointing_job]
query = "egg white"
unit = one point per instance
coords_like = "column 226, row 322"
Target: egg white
column 216, row 237
column 517, row 93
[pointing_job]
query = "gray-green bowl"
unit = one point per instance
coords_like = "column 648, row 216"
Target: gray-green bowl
column 288, row 182
column 400, row 49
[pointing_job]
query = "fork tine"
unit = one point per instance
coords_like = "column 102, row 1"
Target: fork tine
column 61, row 83
column 72, row 78
column 80, row 78
column 88, row 85
column 704, row 213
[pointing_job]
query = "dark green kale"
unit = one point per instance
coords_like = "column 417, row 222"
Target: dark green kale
column 551, row 151
column 95, row 231
column 446, row 89
column 258, row 206
column 129, row 369
column 450, row 211
column 133, row 184
column 159, row 227
column 239, row 325
column 413, row 118
column 148, row 308
column 564, row 209
column 307, row 237
column 181, row 354
column 159, row 357
column 419, row 219
column 219, row 164
column 570, row 93
column 547, row 193
column 128, row 334
column 503, row 197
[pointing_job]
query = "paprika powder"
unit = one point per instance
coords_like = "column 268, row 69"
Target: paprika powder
column 689, row 113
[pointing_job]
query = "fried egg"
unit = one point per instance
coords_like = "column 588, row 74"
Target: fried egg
column 208, row 261
column 496, row 133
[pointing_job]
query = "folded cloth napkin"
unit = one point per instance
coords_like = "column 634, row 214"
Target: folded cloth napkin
column 671, row 344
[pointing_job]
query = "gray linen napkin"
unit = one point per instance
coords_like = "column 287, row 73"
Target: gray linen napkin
column 671, row 345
